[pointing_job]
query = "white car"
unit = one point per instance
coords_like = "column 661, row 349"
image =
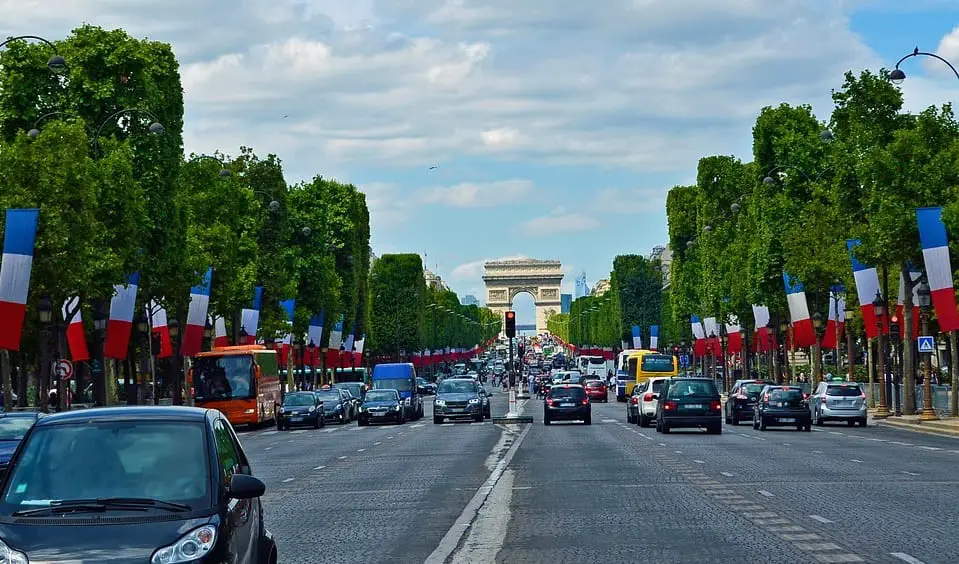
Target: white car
column 645, row 404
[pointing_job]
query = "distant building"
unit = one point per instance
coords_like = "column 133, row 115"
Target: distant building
column 601, row 287
column 565, row 303
column 665, row 258
column 470, row 299
column 582, row 288
column 434, row 281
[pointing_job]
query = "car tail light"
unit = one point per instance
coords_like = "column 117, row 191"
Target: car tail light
column 549, row 402
column 635, row 400
column 862, row 395
column 766, row 398
column 716, row 406
column 585, row 401
column 669, row 406
column 824, row 400
column 742, row 397
column 648, row 396
column 805, row 396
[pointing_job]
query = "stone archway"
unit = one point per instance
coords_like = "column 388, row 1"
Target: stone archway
column 505, row 279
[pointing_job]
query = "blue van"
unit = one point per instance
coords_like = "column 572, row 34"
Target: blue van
column 400, row 376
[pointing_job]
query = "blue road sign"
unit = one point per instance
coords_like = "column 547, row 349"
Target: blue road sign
column 684, row 359
column 927, row 345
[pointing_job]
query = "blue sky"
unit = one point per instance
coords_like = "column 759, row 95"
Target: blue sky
column 556, row 127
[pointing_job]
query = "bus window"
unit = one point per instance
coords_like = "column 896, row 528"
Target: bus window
column 223, row 377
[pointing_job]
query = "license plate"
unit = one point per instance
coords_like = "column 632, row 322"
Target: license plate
column 379, row 414
column 567, row 404
column 786, row 420
column 296, row 419
column 694, row 406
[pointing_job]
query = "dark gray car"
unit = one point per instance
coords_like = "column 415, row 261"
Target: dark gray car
column 458, row 398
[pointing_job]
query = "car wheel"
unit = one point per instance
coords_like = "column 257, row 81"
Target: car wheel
column 819, row 420
column 733, row 420
column 762, row 424
column 361, row 423
column 641, row 419
column 665, row 428
column 851, row 422
column 588, row 420
column 629, row 417
column 863, row 422
column 478, row 418
column 715, row 430
column 659, row 427
column 316, row 423
column 807, row 428
column 727, row 419
column 546, row 420
column 437, row 420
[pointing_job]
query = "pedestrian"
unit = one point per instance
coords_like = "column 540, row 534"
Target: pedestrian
column 53, row 400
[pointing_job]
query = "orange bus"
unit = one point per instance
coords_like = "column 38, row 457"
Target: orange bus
column 243, row 382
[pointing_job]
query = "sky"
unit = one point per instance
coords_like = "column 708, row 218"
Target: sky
column 485, row 129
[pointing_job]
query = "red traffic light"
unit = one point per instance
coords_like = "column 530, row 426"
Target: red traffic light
column 510, row 315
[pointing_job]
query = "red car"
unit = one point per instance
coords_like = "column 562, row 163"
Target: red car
column 596, row 390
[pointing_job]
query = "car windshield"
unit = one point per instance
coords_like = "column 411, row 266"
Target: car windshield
column 571, row 392
column 14, row 428
column 401, row 384
column 594, row 384
column 692, row 388
column 354, row 388
column 456, row 387
column 161, row 460
column 597, row 360
column 328, row 397
column 848, row 391
column 292, row 400
column 381, row 395
column 223, row 377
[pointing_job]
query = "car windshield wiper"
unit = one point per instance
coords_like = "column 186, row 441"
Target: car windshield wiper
column 105, row 503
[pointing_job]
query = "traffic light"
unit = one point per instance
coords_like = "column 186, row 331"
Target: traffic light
column 510, row 324
column 894, row 329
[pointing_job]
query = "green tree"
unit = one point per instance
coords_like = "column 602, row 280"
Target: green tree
column 638, row 287
column 398, row 291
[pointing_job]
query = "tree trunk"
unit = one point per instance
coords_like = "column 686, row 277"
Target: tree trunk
column 816, row 352
column 954, row 373
column 909, row 374
column 871, row 369
column 7, row 387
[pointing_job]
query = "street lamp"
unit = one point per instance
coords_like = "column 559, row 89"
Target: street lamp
column 897, row 76
column 101, row 312
column 708, row 229
column 723, row 338
column 173, row 326
column 879, row 309
column 784, row 331
column 56, row 63
column 46, row 310
column 155, row 127
column 817, row 364
column 735, row 207
column 925, row 303
column 224, row 172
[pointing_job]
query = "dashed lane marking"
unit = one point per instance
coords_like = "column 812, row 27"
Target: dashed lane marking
column 929, row 448
column 678, row 451
column 417, row 425
column 377, row 443
column 764, row 493
column 700, row 461
column 288, row 480
column 265, row 433
column 800, row 536
column 341, row 457
column 319, row 467
column 662, row 444
column 900, row 443
column 906, row 558
column 268, row 448
column 817, row 452
column 390, row 437
column 727, row 474
column 820, row 519
column 909, row 473
column 358, row 428
column 855, row 460
column 837, row 558
column 298, row 432
column 609, row 421
column 361, row 450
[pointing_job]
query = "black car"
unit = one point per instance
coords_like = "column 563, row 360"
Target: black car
column 133, row 484
column 742, row 400
column 13, row 427
column 300, row 408
column 425, row 387
column 336, row 405
column 458, row 398
column 381, row 406
column 782, row 406
column 567, row 402
column 689, row 403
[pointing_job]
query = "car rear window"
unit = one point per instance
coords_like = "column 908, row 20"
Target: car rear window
column 567, row 393
column 657, row 386
column 692, row 388
column 752, row 390
column 789, row 395
column 594, row 384
column 843, row 391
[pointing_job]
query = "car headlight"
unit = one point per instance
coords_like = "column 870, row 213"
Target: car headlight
column 474, row 400
column 439, row 402
column 312, row 409
column 395, row 408
column 282, row 411
column 338, row 407
column 11, row 556
column 191, row 546
column 407, row 401
column 362, row 408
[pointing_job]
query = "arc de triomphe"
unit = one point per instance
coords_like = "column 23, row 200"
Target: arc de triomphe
column 541, row 278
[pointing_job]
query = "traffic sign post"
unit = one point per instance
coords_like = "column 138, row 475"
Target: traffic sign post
column 63, row 368
column 684, row 360
column 926, row 344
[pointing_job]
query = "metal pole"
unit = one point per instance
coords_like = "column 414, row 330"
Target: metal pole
column 850, row 354
column 928, row 412
column 883, row 409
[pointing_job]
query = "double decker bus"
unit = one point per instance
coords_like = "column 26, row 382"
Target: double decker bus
column 243, row 382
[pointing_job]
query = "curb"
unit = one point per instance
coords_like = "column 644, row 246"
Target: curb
column 918, row 428
column 521, row 419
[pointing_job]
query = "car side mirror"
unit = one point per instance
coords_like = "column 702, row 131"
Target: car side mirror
column 243, row 486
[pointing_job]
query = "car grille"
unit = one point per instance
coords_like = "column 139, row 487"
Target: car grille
column 457, row 404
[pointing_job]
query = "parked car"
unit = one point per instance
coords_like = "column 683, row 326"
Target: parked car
column 782, row 406
column 13, row 427
column 133, row 484
column 381, row 406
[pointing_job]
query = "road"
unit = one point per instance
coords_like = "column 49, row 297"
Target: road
column 610, row 492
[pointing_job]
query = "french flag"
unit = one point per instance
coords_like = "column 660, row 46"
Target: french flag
column 76, row 337
column 314, row 334
column 289, row 306
column 120, row 324
column 250, row 317
column 735, row 343
column 196, row 316
column 219, row 332
column 637, row 337
column 804, row 334
column 867, row 285
column 160, row 330
column 15, row 267
column 761, row 341
column 347, row 352
column 336, row 339
column 712, row 336
column 935, row 254
column 837, row 317
column 653, row 338
column 914, row 275
column 699, row 349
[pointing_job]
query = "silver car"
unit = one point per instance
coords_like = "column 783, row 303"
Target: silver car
column 838, row 401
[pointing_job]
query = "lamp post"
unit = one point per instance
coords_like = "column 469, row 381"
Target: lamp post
column 173, row 326
column 892, row 390
column 155, row 127
column 101, row 313
column 311, row 346
column 879, row 308
column 897, row 76
column 784, row 331
column 143, row 331
column 850, row 347
column 723, row 337
column 712, row 354
column 925, row 302
column 45, row 309
column 56, row 63
column 817, row 324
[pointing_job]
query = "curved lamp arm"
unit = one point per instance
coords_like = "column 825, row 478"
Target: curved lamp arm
column 897, row 75
column 57, row 63
column 156, row 127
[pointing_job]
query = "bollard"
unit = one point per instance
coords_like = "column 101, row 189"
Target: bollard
column 512, row 416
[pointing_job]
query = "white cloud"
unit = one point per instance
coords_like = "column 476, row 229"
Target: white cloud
column 474, row 269
column 630, row 201
column 467, row 195
column 559, row 221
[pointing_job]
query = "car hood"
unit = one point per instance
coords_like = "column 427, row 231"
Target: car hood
column 127, row 541
column 457, row 397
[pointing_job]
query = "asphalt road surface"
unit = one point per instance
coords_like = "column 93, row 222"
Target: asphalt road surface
column 611, row 492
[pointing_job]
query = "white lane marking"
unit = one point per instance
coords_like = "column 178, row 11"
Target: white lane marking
column 700, row 461
column 298, row 432
column 954, row 451
column 854, row 460
column 647, row 437
column 906, row 558
column 493, row 531
column 417, row 425
column 390, row 437
column 929, row 448
column 817, row 452
column 319, row 467
column 265, row 433
column 288, row 480
column 821, row 519
column 331, row 430
column 268, row 448
column 361, row 450
column 357, row 428
column 900, row 443
column 609, row 421
column 678, row 451
column 340, row 457
column 836, row 433
column 909, row 473
column 764, row 493
column 377, row 443
column 787, row 444
column 522, row 487
column 662, row 444
column 727, row 474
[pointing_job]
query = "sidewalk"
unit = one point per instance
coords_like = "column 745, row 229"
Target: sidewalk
column 944, row 426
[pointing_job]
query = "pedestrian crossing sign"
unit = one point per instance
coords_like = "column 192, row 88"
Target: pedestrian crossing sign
column 926, row 345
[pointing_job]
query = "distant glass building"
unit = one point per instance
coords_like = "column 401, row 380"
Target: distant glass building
column 582, row 288
column 565, row 302
column 470, row 299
